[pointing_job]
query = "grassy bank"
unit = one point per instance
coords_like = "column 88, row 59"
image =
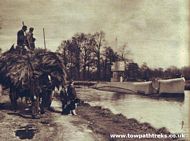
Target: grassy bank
column 104, row 122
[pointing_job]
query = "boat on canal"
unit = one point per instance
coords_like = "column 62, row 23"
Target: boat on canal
column 160, row 88
column 171, row 87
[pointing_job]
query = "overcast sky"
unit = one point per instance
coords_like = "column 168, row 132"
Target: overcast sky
column 156, row 31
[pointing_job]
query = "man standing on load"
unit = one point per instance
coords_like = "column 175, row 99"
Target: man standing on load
column 30, row 39
column 21, row 36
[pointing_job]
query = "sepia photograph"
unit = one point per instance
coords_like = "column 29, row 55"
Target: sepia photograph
column 94, row 70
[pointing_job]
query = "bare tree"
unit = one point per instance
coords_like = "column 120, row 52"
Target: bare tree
column 124, row 51
column 99, row 38
column 78, row 53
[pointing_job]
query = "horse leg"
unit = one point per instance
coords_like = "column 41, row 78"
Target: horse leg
column 35, row 107
column 13, row 99
column 42, row 105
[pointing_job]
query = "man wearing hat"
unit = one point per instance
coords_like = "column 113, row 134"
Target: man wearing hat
column 72, row 96
column 21, row 37
column 30, row 39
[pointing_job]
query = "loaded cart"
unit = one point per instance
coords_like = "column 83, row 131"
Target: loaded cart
column 31, row 74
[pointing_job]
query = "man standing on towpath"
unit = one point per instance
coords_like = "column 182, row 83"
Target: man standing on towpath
column 71, row 92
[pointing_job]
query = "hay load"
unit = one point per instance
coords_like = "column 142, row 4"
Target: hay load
column 15, row 69
column 29, row 73
column 18, row 69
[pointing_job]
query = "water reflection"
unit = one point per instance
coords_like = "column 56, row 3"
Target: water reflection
column 159, row 113
column 117, row 96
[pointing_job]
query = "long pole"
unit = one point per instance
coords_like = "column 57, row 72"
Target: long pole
column 44, row 38
column 22, row 23
column 27, row 40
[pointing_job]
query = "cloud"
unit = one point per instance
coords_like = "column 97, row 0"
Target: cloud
column 146, row 24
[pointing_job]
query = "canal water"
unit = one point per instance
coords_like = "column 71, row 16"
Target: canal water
column 172, row 114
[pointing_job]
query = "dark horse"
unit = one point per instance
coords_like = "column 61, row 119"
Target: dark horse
column 39, row 97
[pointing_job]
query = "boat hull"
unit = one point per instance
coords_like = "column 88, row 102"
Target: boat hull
column 172, row 87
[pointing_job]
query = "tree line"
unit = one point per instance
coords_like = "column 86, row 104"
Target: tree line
column 145, row 73
column 89, row 57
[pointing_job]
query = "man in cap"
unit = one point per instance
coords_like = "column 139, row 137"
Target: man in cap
column 30, row 39
column 72, row 96
column 21, row 37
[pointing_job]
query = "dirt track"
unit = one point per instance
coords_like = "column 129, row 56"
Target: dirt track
column 91, row 124
column 52, row 126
